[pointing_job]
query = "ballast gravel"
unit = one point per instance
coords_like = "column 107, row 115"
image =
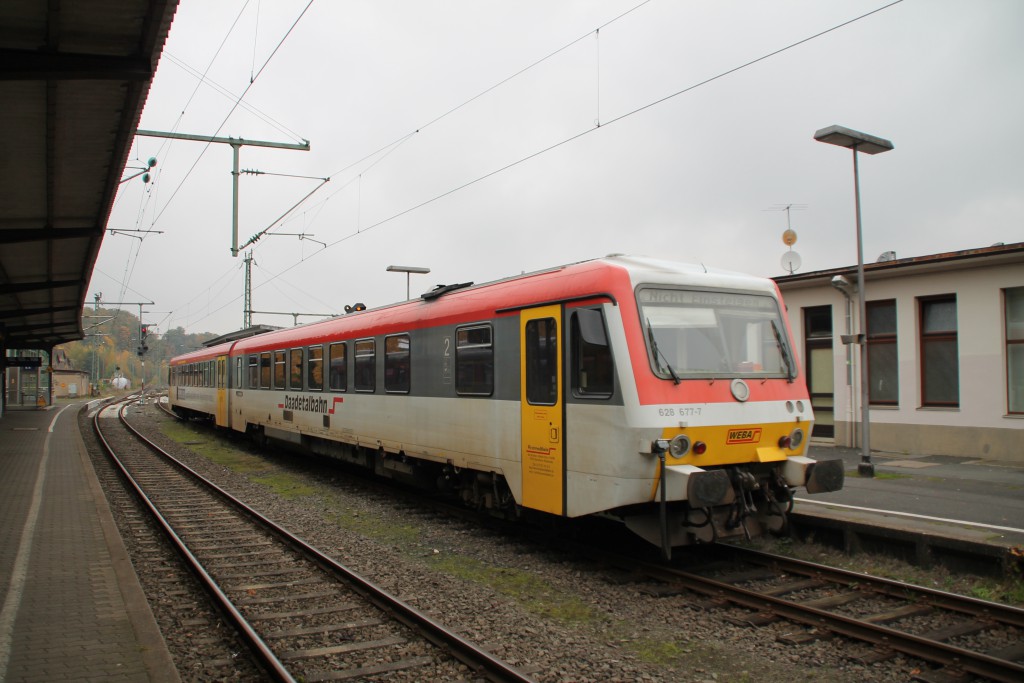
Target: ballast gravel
column 546, row 612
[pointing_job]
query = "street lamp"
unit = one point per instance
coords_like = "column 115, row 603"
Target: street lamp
column 407, row 270
column 868, row 144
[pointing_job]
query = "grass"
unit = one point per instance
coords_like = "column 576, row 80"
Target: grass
column 285, row 485
column 530, row 591
column 378, row 529
column 210, row 447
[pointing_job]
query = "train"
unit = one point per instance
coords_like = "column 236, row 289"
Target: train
column 665, row 396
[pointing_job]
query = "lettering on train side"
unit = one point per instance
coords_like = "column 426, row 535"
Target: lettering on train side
column 744, row 435
column 310, row 404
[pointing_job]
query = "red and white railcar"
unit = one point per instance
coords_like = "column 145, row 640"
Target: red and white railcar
column 666, row 396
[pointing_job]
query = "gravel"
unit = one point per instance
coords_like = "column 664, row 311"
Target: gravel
column 547, row 612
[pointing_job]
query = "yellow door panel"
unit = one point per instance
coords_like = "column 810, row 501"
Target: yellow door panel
column 543, row 454
column 222, row 391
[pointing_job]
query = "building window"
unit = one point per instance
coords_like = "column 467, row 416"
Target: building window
column 365, row 365
column 339, row 368
column 315, row 369
column 280, row 369
column 940, row 365
column 1015, row 349
column 820, row 368
column 295, row 369
column 397, row 366
column 592, row 369
column 883, row 367
column 474, row 361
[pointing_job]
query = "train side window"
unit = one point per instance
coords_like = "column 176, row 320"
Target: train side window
column 365, row 365
column 265, row 367
column 295, row 369
column 254, row 371
column 397, row 363
column 315, row 368
column 592, row 368
column 542, row 362
column 339, row 366
column 474, row 361
column 239, row 369
column 280, row 369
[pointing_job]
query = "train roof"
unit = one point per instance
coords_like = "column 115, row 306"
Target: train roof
column 613, row 278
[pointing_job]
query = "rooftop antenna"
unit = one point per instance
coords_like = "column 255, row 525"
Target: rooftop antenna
column 791, row 260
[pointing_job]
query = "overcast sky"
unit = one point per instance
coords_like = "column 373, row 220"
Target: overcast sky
column 444, row 150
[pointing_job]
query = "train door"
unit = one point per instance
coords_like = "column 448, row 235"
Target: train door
column 543, row 445
column 222, row 391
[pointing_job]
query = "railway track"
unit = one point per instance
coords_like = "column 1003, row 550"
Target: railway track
column 963, row 637
column 303, row 615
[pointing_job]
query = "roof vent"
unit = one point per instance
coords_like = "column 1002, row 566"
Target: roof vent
column 886, row 257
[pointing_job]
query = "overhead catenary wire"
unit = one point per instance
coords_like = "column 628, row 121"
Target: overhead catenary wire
column 237, row 103
column 361, row 230
column 619, row 118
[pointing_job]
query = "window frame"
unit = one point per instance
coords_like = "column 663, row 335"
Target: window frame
column 1012, row 343
column 876, row 341
column 395, row 381
column 311, row 362
column 266, row 369
column 279, row 379
column 295, row 372
column 926, row 338
column 577, row 340
column 463, row 363
column 343, row 345
column 359, row 362
column 542, row 361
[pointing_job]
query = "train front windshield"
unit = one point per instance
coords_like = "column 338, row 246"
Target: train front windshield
column 696, row 333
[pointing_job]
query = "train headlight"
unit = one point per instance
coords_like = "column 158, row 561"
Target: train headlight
column 679, row 446
column 796, row 438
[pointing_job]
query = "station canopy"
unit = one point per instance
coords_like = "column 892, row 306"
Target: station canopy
column 74, row 76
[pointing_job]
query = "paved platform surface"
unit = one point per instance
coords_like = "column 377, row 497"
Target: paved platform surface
column 958, row 497
column 71, row 608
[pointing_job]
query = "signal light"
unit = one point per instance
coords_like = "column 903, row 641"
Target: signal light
column 784, row 442
column 700, row 448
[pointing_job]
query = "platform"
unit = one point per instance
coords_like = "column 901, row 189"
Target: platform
column 72, row 608
column 937, row 493
column 966, row 514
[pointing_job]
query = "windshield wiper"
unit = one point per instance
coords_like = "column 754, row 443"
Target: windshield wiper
column 657, row 352
column 784, row 352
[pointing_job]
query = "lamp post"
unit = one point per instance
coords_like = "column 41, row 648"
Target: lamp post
column 408, row 270
column 867, row 144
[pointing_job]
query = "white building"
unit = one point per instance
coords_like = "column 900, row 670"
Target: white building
column 945, row 339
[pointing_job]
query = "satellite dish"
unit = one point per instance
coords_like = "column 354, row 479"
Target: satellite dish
column 791, row 261
column 789, row 237
column 886, row 256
